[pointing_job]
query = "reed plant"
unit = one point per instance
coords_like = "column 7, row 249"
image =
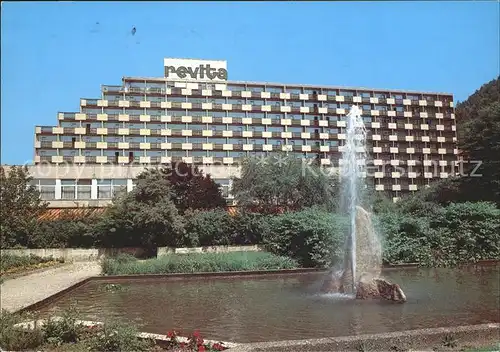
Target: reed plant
column 198, row 262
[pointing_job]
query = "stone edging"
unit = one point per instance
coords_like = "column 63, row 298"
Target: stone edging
column 420, row 338
column 400, row 340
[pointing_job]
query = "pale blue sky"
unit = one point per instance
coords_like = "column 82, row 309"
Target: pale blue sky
column 55, row 53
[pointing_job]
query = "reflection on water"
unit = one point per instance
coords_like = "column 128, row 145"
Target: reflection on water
column 289, row 307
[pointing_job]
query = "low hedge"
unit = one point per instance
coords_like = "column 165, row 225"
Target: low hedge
column 197, row 262
column 10, row 263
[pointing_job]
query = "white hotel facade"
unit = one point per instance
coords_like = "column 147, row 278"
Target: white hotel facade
column 194, row 114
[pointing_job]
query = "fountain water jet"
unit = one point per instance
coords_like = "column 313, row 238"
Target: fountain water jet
column 363, row 251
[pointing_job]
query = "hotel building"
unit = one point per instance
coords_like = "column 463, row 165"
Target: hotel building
column 194, row 114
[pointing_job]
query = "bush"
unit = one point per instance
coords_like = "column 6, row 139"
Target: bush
column 199, row 262
column 67, row 329
column 404, row 238
column 248, row 228
column 473, row 230
column 452, row 235
column 313, row 237
column 63, row 233
column 218, row 227
column 116, row 336
column 9, row 261
column 14, row 339
column 208, row 228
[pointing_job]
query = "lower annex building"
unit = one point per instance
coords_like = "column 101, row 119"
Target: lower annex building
column 194, row 114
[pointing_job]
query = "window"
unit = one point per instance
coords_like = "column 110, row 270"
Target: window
column 130, row 139
column 217, row 140
column 46, row 187
column 107, row 189
column 274, row 89
column 274, row 129
column 198, row 153
column 235, row 88
column 47, row 138
column 197, row 140
column 255, row 89
column 47, row 152
column 256, row 115
column 68, row 189
column 83, row 189
column 255, row 102
column 154, row 153
column 224, row 185
column 176, row 126
column 176, row 140
column 293, row 90
column 68, row 152
column 113, row 124
column 69, row 124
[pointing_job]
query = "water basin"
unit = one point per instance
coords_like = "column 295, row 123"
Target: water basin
column 286, row 307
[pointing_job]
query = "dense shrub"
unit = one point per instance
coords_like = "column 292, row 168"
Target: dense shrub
column 67, row 329
column 404, row 238
column 63, row 233
column 117, row 336
column 14, row 339
column 218, row 227
column 248, row 228
column 208, row 228
column 473, row 230
column 458, row 233
column 313, row 237
column 199, row 262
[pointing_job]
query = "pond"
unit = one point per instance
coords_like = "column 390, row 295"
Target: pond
column 285, row 307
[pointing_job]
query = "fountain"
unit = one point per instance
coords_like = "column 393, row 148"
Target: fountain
column 360, row 273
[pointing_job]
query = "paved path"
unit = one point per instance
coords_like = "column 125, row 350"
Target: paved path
column 26, row 290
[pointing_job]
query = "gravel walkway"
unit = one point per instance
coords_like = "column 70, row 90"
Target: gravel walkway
column 26, row 290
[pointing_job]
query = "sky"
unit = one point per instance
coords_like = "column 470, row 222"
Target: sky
column 54, row 53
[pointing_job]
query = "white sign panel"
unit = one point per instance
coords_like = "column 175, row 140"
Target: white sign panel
column 195, row 70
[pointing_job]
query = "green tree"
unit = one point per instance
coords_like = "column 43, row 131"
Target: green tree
column 20, row 206
column 145, row 217
column 481, row 143
column 469, row 109
column 192, row 189
column 282, row 182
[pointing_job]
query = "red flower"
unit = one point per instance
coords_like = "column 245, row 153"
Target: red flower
column 201, row 348
column 170, row 334
column 196, row 333
column 183, row 344
column 218, row 347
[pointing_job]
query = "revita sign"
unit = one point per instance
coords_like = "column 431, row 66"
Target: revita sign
column 195, row 70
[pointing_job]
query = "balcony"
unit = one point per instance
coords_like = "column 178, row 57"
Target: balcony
column 112, row 89
column 46, row 129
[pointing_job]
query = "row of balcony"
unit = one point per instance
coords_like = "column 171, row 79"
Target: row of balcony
column 247, row 147
column 289, row 139
column 279, row 96
column 207, row 160
column 227, row 133
column 216, row 106
column 70, row 116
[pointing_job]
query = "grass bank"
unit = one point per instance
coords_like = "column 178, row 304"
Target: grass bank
column 197, row 263
column 17, row 264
